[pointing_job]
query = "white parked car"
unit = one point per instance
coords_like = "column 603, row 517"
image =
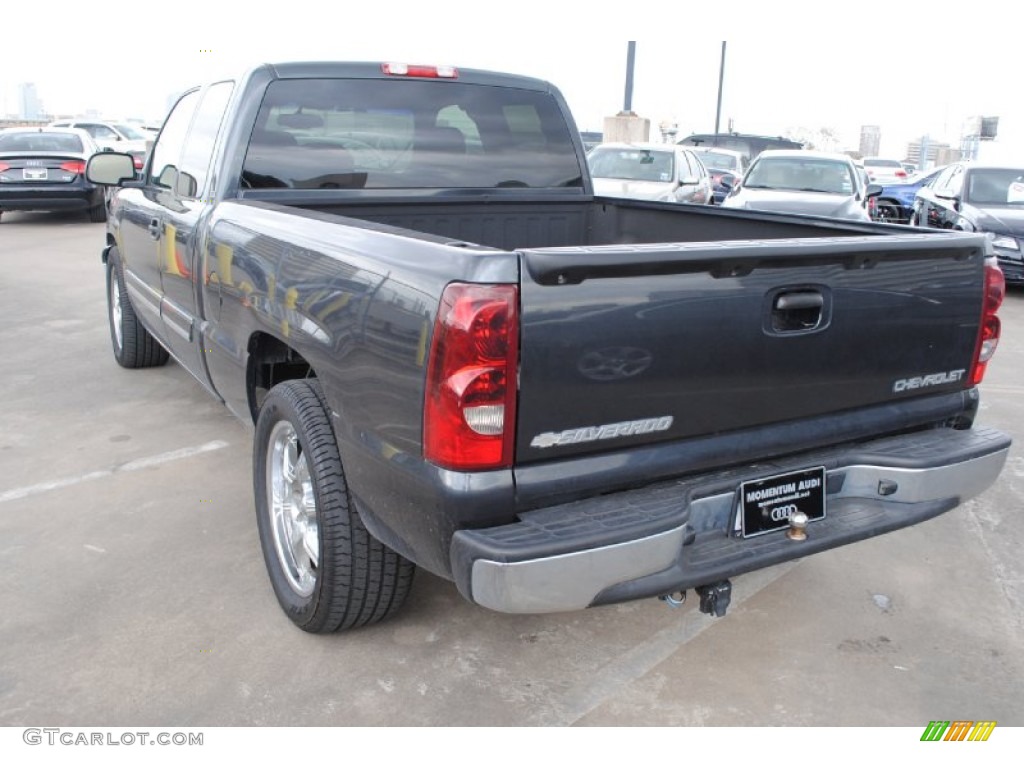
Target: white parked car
column 108, row 134
column 662, row 172
column 802, row 181
column 883, row 171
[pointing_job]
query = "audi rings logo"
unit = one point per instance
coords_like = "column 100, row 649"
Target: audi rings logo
column 782, row 513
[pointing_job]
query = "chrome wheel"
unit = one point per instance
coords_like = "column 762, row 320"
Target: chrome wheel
column 115, row 307
column 293, row 518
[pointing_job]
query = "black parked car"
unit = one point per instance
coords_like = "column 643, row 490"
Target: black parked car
column 979, row 198
column 43, row 169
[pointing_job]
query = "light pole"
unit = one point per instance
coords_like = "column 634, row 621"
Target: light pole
column 627, row 105
column 721, row 77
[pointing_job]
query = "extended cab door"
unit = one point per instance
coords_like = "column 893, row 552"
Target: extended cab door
column 185, row 204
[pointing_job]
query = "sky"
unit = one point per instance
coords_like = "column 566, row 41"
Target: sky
column 789, row 65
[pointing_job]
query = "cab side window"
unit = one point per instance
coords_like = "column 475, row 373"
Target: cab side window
column 942, row 182
column 198, row 151
column 163, row 169
column 956, row 180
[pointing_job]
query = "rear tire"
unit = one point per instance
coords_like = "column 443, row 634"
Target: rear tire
column 134, row 346
column 888, row 212
column 98, row 213
column 326, row 569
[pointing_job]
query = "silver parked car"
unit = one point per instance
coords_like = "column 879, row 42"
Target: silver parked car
column 662, row 172
column 803, row 181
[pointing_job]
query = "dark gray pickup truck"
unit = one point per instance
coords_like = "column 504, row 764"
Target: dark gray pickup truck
column 456, row 356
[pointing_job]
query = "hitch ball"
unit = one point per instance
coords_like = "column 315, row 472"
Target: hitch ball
column 797, row 526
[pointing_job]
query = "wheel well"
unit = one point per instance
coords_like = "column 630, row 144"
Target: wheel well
column 271, row 361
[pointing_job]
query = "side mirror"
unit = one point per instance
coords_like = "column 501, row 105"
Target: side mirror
column 873, row 190
column 110, row 169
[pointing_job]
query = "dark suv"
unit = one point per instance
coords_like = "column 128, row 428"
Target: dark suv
column 749, row 144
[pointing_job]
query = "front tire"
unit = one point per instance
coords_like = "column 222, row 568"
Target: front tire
column 134, row 346
column 326, row 569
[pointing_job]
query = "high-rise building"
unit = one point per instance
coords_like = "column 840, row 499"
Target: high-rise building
column 29, row 105
column 935, row 153
column 870, row 140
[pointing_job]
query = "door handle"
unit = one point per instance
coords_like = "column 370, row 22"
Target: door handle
column 155, row 228
column 803, row 300
column 798, row 310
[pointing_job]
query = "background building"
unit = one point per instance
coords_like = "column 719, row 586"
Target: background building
column 870, row 140
column 934, row 153
column 976, row 130
column 29, row 105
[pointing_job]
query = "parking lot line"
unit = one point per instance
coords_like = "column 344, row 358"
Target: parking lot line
column 130, row 466
column 609, row 681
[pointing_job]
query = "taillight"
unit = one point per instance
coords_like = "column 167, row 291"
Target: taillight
column 901, row 174
column 4, row 167
column 470, row 403
column 419, row 70
column 73, row 166
column 988, row 333
column 138, row 162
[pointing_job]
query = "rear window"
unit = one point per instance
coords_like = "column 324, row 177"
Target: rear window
column 34, row 141
column 877, row 161
column 383, row 134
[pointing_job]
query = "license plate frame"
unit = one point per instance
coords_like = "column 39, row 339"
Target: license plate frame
column 765, row 503
column 35, row 174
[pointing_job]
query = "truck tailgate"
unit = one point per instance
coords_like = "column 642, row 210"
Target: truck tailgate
column 626, row 345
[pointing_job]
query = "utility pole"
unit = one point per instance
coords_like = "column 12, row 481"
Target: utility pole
column 721, row 77
column 627, row 105
column 627, row 126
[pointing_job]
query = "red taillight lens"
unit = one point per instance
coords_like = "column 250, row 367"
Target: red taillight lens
column 73, row 166
column 419, row 70
column 470, row 402
column 901, row 174
column 4, row 167
column 988, row 333
column 138, row 162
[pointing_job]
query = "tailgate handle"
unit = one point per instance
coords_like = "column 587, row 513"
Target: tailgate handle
column 802, row 300
column 797, row 311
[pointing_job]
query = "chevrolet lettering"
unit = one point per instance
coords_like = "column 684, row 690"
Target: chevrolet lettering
column 931, row 380
column 457, row 356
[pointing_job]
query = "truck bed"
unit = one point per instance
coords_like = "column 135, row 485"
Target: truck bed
column 504, row 222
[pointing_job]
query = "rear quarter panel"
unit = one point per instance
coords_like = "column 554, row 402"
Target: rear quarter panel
column 359, row 305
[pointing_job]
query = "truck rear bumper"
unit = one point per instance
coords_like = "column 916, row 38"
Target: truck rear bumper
column 680, row 534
